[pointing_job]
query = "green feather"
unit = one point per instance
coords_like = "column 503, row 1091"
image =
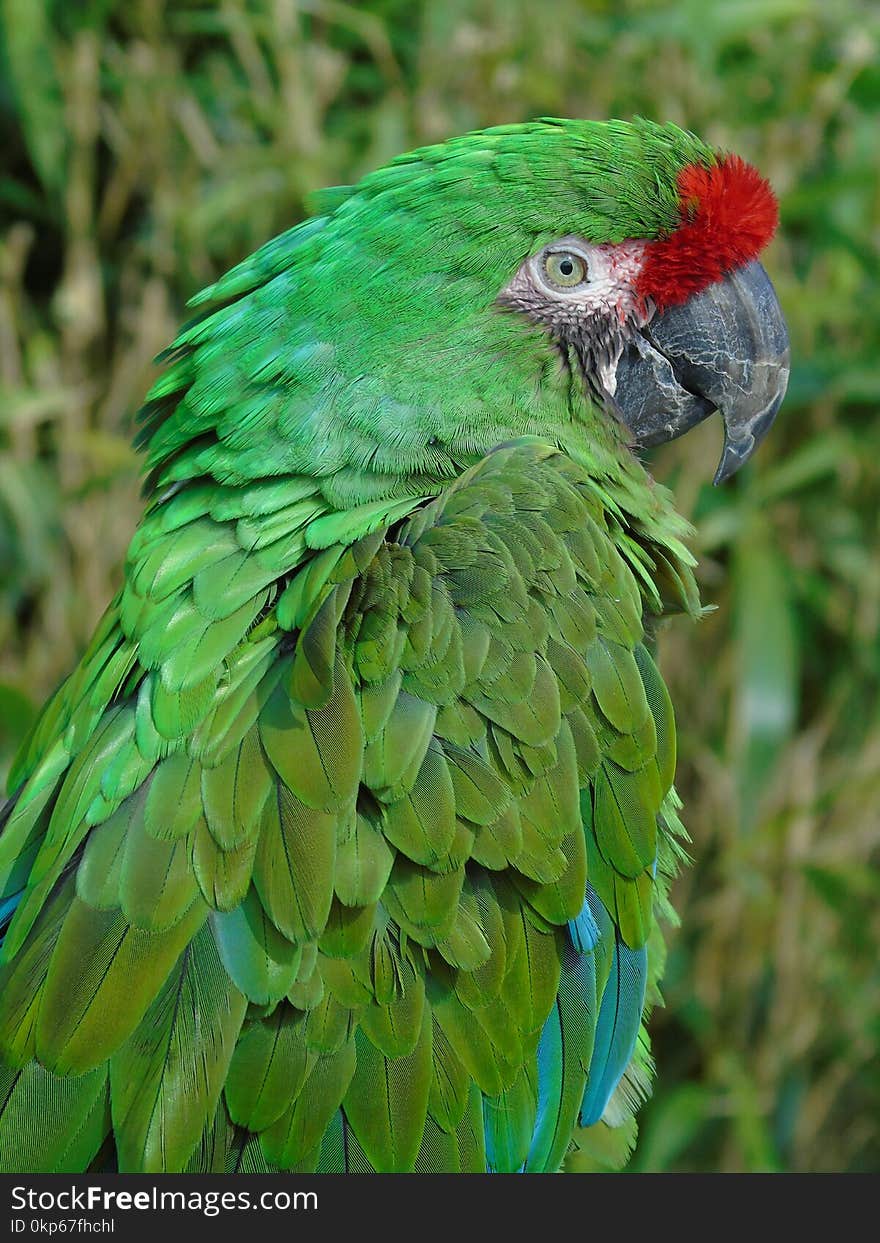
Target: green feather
column 450, row 1082
column 80, row 1119
column 387, row 1100
column 223, row 876
column 394, row 758
column 363, row 864
column 173, row 797
column 301, row 1126
column 294, row 864
column 484, row 1041
column 438, row 1152
column 394, row 1028
column 268, row 1068
column 317, row 754
column 99, row 875
column 262, row 963
column 348, row 929
column 421, row 901
column 156, row 882
column 421, row 822
column 617, row 685
column 509, row 1121
column 329, row 1024
column 235, row 791
column 103, row 975
column 167, row 1077
column 23, row 979
column 535, row 718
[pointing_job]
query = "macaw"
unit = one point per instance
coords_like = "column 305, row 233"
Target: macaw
column 345, row 846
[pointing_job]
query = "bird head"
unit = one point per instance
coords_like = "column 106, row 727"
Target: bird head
column 592, row 283
column 678, row 319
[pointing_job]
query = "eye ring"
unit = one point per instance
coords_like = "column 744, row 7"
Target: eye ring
column 564, row 269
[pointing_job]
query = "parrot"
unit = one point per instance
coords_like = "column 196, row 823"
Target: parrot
column 347, row 845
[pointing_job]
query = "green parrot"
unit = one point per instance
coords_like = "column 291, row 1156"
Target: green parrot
column 344, row 846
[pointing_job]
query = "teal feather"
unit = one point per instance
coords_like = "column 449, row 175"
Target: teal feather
column 564, row 1054
column 617, row 1028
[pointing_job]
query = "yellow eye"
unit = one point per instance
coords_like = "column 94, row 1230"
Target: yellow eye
column 565, row 269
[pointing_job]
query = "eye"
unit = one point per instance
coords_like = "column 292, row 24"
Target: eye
column 565, row 269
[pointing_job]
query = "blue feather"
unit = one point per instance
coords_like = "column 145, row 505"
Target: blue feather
column 601, row 918
column 583, row 930
column 617, row 1028
column 564, row 1052
column 549, row 1086
column 7, row 910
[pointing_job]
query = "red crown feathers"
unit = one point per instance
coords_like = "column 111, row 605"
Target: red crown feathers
column 729, row 214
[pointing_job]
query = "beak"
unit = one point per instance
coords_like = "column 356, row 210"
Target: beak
column 725, row 349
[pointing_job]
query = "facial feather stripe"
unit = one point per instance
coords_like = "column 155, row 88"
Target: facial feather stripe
column 729, row 213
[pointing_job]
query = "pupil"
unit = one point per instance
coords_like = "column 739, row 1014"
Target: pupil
column 566, row 267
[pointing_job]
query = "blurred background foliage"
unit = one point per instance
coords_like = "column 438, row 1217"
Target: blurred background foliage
column 149, row 144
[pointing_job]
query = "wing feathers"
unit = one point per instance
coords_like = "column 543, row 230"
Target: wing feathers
column 304, row 885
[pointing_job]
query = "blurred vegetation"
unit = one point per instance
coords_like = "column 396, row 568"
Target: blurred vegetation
column 147, row 146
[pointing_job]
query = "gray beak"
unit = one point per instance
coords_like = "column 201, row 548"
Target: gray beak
column 726, row 349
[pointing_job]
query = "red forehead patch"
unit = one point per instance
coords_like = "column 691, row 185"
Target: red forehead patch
column 729, row 213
